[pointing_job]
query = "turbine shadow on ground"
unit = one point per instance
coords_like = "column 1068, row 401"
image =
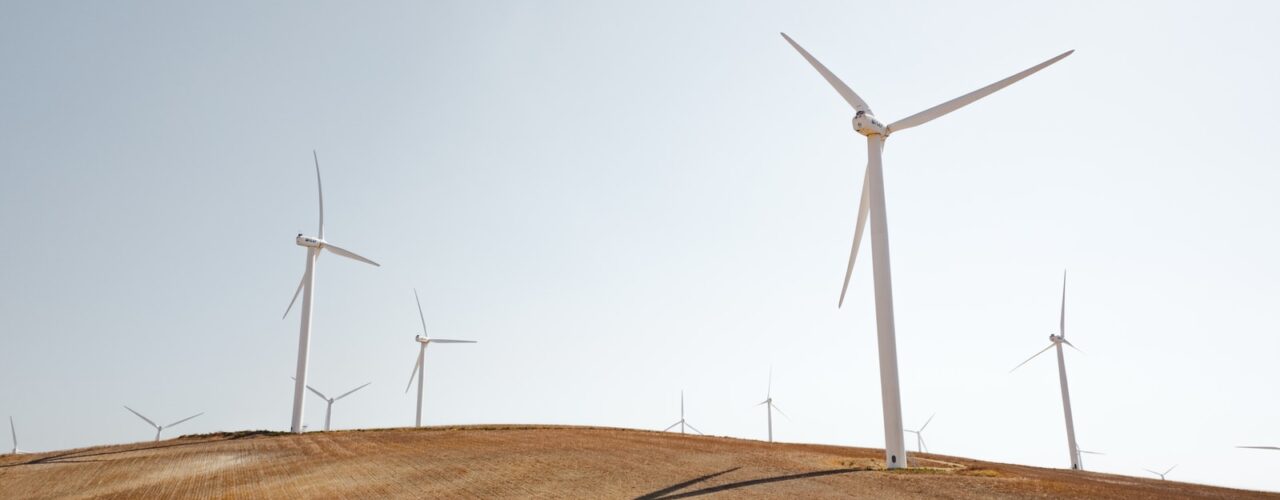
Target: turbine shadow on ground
column 70, row 457
column 669, row 492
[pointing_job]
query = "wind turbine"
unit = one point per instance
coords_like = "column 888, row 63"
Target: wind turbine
column 767, row 403
column 308, row 284
column 328, row 412
column 1161, row 474
column 418, row 369
column 13, row 431
column 920, row 446
column 681, row 422
column 873, row 204
column 161, row 427
column 1057, row 341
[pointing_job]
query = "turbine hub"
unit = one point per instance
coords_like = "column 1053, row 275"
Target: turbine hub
column 308, row 241
column 1055, row 338
column 421, row 339
column 866, row 124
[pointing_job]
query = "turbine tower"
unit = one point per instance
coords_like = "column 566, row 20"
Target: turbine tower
column 920, row 446
column 1161, row 474
column 13, row 431
column 308, row 285
column 682, row 422
column 873, row 204
column 418, row 369
column 1057, row 341
column 158, row 426
column 328, row 412
column 767, row 403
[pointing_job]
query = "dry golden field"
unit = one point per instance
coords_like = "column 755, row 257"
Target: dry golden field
column 537, row 462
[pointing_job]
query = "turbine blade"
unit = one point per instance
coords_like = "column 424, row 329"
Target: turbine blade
column 864, row 206
column 183, row 420
column 420, row 315
column 417, row 365
column 761, row 403
column 923, row 444
column 1260, row 447
column 13, row 431
column 1031, row 358
column 695, row 429
column 451, row 341
column 672, row 426
column 296, row 293
column 153, row 424
column 322, row 396
column 1062, row 316
column 1073, row 346
column 768, row 393
column 780, row 412
column 320, row 190
column 926, row 422
column 1170, row 470
column 348, row 393
column 348, row 254
column 1151, row 471
column 847, row 93
column 964, row 100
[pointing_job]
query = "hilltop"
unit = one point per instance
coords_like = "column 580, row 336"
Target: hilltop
column 539, row 461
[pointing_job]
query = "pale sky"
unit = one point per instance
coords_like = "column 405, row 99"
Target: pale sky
column 623, row 200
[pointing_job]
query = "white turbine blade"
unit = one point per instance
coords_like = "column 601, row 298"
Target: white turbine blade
column 1170, row 470
column 1073, row 346
column 153, row 424
column 183, row 420
column 1092, row 452
column 672, row 426
column 847, row 93
column 348, row 393
column 296, row 293
column 780, row 412
column 417, row 365
column 452, row 341
column 319, row 189
column 348, row 254
column 762, row 403
column 420, row 315
column 695, row 429
column 13, row 431
column 1062, row 316
column 322, row 396
column 1260, row 447
column 1153, row 472
column 964, row 100
column 923, row 443
column 864, row 207
column 1031, row 358
column 926, row 422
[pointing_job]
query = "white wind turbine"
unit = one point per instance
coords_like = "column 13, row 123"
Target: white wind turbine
column 13, row 431
column 1161, row 474
column 328, row 412
column 873, row 204
column 158, row 426
column 682, row 422
column 418, row 369
column 767, row 403
column 308, row 284
column 1057, row 341
column 920, row 446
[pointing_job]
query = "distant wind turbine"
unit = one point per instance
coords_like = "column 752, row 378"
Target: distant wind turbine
column 1057, row 341
column 920, row 445
column 418, row 369
column 682, row 423
column 158, row 426
column 873, row 205
column 1161, row 474
column 328, row 412
column 767, row 403
column 13, row 431
column 308, row 284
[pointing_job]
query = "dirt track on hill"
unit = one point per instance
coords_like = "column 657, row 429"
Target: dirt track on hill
column 538, row 462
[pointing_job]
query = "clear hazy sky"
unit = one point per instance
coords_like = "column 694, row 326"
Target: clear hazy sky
column 623, row 200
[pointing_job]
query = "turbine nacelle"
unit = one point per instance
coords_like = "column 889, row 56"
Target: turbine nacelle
column 309, row 241
column 866, row 124
column 421, row 339
column 1056, row 339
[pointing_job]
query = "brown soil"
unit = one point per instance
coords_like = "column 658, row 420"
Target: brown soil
column 538, row 461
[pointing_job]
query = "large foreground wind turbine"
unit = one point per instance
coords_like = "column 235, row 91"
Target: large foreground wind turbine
column 873, row 204
column 13, row 431
column 920, row 446
column 158, row 426
column 767, row 403
column 418, row 369
column 1057, row 341
column 682, row 422
column 308, row 284
column 1161, row 474
column 328, row 411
